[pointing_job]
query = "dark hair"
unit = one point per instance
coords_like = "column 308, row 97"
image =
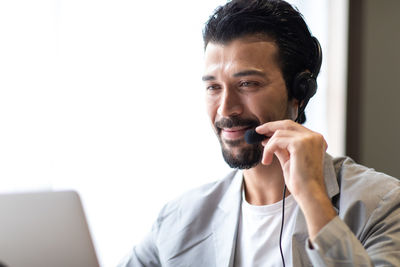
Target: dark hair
column 276, row 19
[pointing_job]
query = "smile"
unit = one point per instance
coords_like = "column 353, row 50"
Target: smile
column 234, row 133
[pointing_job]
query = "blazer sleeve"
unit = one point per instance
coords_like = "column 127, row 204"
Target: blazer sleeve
column 378, row 245
column 144, row 254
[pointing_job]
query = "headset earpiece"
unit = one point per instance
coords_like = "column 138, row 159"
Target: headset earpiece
column 305, row 83
column 304, row 86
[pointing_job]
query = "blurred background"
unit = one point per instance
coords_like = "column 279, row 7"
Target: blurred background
column 105, row 98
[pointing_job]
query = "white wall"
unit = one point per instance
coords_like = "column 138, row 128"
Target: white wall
column 105, row 97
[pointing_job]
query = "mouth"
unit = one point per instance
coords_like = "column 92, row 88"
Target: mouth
column 234, row 133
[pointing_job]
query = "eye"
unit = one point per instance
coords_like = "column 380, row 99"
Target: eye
column 213, row 87
column 248, row 84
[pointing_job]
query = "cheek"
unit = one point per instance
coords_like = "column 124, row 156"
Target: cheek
column 268, row 107
column 212, row 107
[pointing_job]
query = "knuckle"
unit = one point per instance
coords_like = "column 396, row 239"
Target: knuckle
column 289, row 124
column 278, row 132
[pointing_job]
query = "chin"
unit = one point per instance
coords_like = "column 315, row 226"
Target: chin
column 243, row 158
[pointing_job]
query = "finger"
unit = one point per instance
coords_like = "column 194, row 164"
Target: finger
column 280, row 134
column 270, row 127
column 267, row 157
column 275, row 144
column 283, row 157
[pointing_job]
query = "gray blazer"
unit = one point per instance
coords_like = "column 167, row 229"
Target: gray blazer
column 200, row 227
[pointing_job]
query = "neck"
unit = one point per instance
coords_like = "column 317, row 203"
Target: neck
column 263, row 184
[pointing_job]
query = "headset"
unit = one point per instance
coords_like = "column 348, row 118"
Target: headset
column 304, row 87
column 305, row 83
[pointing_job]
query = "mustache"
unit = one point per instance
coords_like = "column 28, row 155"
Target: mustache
column 236, row 122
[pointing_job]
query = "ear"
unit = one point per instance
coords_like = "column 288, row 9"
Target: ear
column 293, row 108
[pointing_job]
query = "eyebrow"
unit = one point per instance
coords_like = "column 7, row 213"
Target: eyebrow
column 238, row 74
column 249, row 72
column 207, row 78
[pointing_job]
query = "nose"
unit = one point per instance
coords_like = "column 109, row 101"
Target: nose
column 230, row 103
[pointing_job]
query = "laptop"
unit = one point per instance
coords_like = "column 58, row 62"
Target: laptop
column 46, row 229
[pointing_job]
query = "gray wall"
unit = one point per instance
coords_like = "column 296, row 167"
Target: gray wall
column 373, row 127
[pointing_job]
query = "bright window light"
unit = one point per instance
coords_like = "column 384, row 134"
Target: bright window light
column 105, row 97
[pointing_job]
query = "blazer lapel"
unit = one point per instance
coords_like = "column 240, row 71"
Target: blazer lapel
column 226, row 223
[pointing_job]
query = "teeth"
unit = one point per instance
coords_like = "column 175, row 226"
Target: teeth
column 235, row 129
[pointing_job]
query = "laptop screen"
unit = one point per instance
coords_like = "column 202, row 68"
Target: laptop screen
column 44, row 229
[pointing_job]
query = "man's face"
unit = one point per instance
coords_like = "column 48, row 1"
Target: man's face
column 244, row 88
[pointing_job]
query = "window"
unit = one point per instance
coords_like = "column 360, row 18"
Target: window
column 105, row 97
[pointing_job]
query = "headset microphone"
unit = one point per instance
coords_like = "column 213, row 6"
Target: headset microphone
column 252, row 137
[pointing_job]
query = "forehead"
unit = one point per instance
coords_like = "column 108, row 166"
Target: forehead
column 248, row 52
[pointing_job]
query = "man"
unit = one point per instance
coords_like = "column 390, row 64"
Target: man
column 261, row 63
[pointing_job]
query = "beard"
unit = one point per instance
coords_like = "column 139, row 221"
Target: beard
column 246, row 156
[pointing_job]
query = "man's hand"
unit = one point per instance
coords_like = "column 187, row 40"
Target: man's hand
column 300, row 152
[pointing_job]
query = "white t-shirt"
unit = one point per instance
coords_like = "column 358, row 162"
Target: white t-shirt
column 258, row 234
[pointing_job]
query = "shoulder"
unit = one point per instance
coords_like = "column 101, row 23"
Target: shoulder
column 363, row 180
column 366, row 196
